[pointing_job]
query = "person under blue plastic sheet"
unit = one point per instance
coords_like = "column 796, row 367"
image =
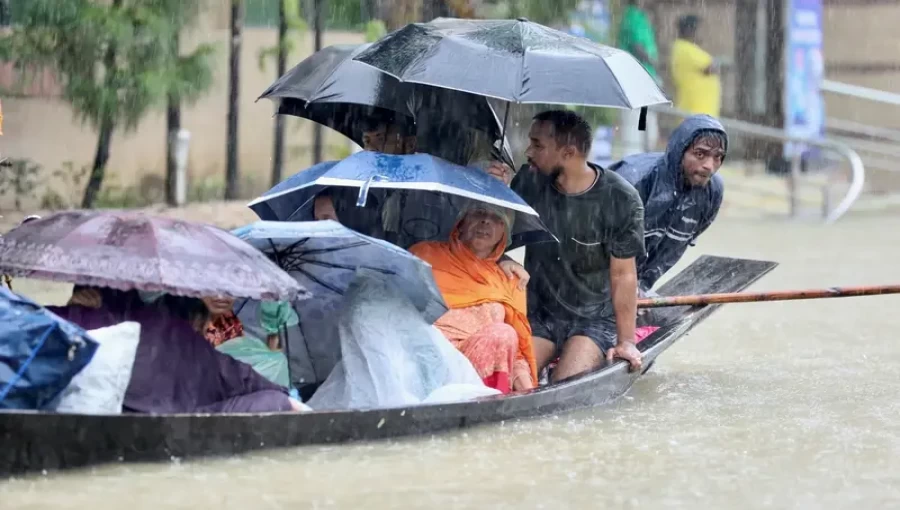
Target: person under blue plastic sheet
column 681, row 192
column 176, row 370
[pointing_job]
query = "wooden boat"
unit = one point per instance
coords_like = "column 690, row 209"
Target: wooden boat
column 35, row 441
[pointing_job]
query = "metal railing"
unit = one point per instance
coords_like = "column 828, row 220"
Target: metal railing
column 878, row 145
column 857, row 176
column 857, row 91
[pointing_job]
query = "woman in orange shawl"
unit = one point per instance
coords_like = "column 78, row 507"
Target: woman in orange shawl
column 487, row 320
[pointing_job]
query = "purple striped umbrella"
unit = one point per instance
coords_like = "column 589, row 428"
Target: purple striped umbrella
column 128, row 250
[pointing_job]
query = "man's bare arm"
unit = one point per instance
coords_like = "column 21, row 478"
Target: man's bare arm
column 623, row 286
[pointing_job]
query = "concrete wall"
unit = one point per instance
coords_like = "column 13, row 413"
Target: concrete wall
column 861, row 47
column 44, row 130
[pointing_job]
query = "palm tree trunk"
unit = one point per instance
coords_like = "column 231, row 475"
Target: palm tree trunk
column 278, row 149
column 98, row 170
column 173, row 125
column 5, row 14
column 432, row 9
column 318, row 7
column 107, row 126
column 234, row 67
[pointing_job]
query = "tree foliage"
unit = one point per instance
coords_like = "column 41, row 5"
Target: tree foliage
column 74, row 38
column 116, row 60
column 192, row 73
column 296, row 28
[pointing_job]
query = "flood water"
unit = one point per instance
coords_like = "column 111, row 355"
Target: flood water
column 770, row 405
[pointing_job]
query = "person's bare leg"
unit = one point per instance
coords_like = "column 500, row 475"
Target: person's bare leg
column 579, row 354
column 544, row 351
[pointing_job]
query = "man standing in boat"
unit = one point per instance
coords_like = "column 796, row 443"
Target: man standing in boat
column 681, row 192
column 583, row 290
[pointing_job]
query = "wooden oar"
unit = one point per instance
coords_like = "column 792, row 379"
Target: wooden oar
column 757, row 297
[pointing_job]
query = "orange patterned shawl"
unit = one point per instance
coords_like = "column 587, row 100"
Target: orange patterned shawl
column 465, row 280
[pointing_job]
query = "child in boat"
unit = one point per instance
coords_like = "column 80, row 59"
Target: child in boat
column 487, row 320
column 176, row 370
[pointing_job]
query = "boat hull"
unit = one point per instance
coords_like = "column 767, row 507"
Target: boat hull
column 36, row 441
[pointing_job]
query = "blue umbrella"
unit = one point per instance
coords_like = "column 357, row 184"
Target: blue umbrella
column 292, row 199
column 324, row 256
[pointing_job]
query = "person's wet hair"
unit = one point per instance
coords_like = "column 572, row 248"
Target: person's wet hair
column 687, row 26
column 569, row 128
column 715, row 139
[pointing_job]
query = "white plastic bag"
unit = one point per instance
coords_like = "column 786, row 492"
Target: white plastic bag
column 100, row 387
column 391, row 357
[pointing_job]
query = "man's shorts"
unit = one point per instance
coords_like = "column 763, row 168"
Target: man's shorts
column 558, row 329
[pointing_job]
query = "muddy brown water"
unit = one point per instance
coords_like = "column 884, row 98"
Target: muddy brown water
column 769, row 405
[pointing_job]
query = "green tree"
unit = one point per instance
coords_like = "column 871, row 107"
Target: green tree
column 192, row 76
column 114, row 60
column 234, row 86
column 290, row 22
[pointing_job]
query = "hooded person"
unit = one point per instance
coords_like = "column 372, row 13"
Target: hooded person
column 488, row 316
column 681, row 192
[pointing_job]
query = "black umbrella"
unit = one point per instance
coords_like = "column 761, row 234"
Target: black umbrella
column 514, row 60
column 332, row 89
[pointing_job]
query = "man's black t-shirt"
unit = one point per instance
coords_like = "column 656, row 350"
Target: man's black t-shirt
column 571, row 278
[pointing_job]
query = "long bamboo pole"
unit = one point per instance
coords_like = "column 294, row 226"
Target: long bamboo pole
column 758, row 297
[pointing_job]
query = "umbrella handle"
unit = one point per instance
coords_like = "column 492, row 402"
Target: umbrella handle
column 364, row 189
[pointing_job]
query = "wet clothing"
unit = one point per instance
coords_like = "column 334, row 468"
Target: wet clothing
column 570, row 280
column 176, row 370
column 467, row 281
column 695, row 91
column 559, row 328
column 223, row 328
column 675, row 214
column 637, row 30
column 489, row 343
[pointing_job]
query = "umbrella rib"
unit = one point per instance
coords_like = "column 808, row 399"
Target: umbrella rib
column 336, row 248
column 316, row 279
column 275, row 252
column 350, row 268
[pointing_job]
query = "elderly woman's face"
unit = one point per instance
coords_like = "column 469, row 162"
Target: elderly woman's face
column 481, row 230
column 219, row 305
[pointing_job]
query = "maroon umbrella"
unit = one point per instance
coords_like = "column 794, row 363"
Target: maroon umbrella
column 127, row 250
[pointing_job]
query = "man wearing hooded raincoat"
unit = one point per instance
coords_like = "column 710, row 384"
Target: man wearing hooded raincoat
column 681, row 192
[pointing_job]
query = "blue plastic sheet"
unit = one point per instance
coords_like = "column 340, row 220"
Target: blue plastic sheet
column 39, row 353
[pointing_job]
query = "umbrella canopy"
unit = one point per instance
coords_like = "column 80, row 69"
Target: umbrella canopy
column 324, row 257
column 332, row 89
column 417, row 172
column 514, row 60
column 127, row 250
